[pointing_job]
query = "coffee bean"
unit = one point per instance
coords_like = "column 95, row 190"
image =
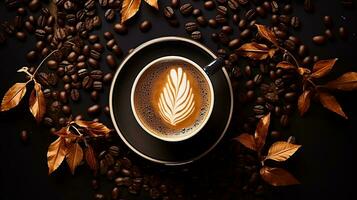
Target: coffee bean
column 250, row 14
column 109, row 15
column 221, row 19
column 186, row 9
column 197, row 12
column 343, row 32
column 243, row 2
column 249, row 84
column 108, row 78
column 108, row 35
column 111, row 43
column 169, row 12
column 290, row 45
column 329, row 34
column 191, row 27
column 117, row 50
column 96, row 74
column 209, row 5
column 97, row 85
column 24, row 136
column 111, row 62
column 120, row 29
column 319, row 39
column 245, row 34
column 242, row 24
column 87, row 82
column 284, row 120
column 115, row 193
column 307, row 60
column 227, row 29
column 145, row 26
column 175, row 3
column 94, row 110
column 63, row 96
column 234, row 43
column 66, row 109
column 295, row 22
column 48, row 121
column 258, row 79
column 248, row 71
column 308, row 6
column 34, row 5
column 196, row 35
column 212, row 23
column 261, row 11
column 94, row 95
column 233, row 5
column 250, row 95
column 98, row 47
column 223, row 38
column 201, row 20
column 327, row 21
column 222, row 10
column 31, row 56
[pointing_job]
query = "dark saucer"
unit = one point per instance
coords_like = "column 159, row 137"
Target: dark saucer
column 147, row 146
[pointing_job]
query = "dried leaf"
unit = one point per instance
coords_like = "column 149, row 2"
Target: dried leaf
column 56, row 154
column 261, row 132
column 74, row 156
column 255, row 51
column 65, row 133
column 94, row 128
column 281, row 151
column 90, row 158
column 267, row 34
column 285, row 65
column 302, row 71
column 247, row 140
column 129, row 9
column 37, row 102
column 277, row 176
column 330, row 102
column 322, row 68
column 13, row 96
column 346, row 82
column 153, row 3
column 304, row 102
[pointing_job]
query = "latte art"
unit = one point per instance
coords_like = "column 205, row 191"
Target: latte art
column 176, row 102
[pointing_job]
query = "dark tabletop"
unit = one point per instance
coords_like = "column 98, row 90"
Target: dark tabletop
column 324, row 165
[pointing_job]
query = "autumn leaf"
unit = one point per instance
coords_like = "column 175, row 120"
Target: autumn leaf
column 304, row 102
column 56, row 154
column 255, row 51
column 90, row 158
column 322, row 68
column 74, row 156
column 267, row 34
column 281, row 151
column 302, row 71
column 330, row 102
column 247, row 140
column 94, row 128
column 277, row 176
column 285, row 65
column 13, row 96
column 261, row 132
column 346, row 82
column 131, row 7
column 37, row 102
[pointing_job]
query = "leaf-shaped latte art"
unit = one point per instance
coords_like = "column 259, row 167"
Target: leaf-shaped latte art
column 176, row 102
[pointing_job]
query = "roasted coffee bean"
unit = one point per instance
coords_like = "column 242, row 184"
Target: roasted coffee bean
column 258, row 78
column 319, row 39
column 120, row 28
column 236, row 19
column 96, row 75
column 248, row 71
column 117, row 50
column 169, row 12
column 197, row 12
column 82, row 73
column 108, row 35
column 242, row 24
column 24, row 136
column 94, row 54
column 215, row 37
column 31, row 56
column 115, row 193
column 245, row 34
column 47, row 121
column 175, row 3
column 221, row 19
column 98, row 47
column 234, row 43
column 222, row 10
column 108, row 78
column 191, row 26
column 307, row 60
column 308, row 6
column 250, row 14
column 110, row 174
column 243, row 2
column 123, row 181
column 66, row 110
column 111, row 43
column 290, row 45
column 145, row 26
column 34, row 5
column 212, row 23
column 284, row 120
column 201, row 20
column 99, row 196
column 63, row 96
column 109, row 15
column 94, row 95
column 327, row 21
column 21, row 36
column 209, row 5
column 227, row 30
column 233, row 5
column 261, row 11
column 223, row 38
column 87, row 82
column 295, row 22
column 196, row 35
column 249, row 84
column 186, row 9
column 329, row 34
column 343, row 32
column 97, row 85
column 94, row 109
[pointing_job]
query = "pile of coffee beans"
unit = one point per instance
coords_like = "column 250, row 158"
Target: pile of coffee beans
column 75, row 71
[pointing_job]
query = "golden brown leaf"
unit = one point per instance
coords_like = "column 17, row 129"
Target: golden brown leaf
column 37, row 102
column 277, row 176
column 90, row 158
column 281, row 151
column 255, row 51
column 261, row 132
column 322, row 68
column 304, row 102
column 153, row 3
column 302, row 71
column 346, row 82
column 247, row 140
column 56, row 154
column 13, row 96
column 129, row 9
column 285, row 65
column 94, row 128
column 65, row 133
column 267, row 34
column 330, row 102
column 74, row 156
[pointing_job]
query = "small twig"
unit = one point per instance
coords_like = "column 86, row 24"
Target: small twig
column 291, row 55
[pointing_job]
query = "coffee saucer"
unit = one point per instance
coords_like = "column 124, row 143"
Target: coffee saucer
column 141, row 142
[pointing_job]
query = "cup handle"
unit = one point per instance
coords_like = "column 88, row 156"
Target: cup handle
column 214, row 66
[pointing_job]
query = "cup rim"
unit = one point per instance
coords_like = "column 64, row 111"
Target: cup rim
column 201, row 125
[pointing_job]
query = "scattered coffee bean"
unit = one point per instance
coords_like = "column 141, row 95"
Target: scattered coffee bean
column 94, row 110
column 186, row 9
column 209, row 5
column 120, row 29
column 175, row 3
column 197, row 12
column 201, row 20
column 327, row 21
column 191, row 27
column 329, row 34
column 169, row 12
column 343, row 32
column 196, row 35
column 145, row 26
column 24, row 136
column 233, row 44
column 109, row 15
column 319, row 39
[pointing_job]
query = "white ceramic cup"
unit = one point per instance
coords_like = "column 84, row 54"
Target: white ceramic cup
column 173, row 137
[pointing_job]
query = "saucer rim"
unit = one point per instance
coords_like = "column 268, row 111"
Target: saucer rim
column 122, row 64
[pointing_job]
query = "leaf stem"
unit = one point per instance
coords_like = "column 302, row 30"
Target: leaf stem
column 38, row 67
column 291, row 55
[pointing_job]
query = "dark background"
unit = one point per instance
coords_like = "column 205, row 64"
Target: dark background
column 324, row 165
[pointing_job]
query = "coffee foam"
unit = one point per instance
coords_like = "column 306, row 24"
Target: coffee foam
column 150, row 86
